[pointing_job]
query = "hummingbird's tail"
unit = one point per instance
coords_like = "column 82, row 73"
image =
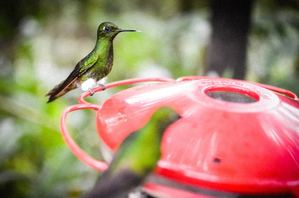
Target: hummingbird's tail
column 59, row 90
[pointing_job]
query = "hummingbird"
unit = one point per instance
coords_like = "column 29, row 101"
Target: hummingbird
column 93, row 67
column 135, row 158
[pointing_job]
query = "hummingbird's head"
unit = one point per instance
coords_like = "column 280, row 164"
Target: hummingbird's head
column 163, row 117
column 109, row 30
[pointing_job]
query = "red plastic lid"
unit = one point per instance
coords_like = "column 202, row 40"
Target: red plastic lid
column 233, row 135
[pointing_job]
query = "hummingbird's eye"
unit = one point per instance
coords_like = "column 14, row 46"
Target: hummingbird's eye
column 107, row 29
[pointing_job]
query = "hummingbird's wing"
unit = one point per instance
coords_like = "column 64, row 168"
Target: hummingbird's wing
column 115, row 186
column 70, row 82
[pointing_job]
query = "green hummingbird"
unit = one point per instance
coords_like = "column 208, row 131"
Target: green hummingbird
column 135, row 158
column 93, row 67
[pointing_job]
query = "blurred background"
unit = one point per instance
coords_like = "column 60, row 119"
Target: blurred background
column 42, row 40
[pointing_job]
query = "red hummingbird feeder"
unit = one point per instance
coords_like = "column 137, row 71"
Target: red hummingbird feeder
column 234, row 138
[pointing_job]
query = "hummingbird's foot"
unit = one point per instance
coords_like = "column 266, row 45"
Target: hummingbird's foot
column 103, row 86
column 91, row 92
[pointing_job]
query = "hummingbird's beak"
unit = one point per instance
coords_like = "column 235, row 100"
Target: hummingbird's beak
column 128, row 31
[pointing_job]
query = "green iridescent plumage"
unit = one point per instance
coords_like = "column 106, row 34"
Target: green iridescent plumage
column 96, row 65
column 136, row 157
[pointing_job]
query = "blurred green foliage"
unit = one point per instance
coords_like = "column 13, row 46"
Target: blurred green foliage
column 42, row 40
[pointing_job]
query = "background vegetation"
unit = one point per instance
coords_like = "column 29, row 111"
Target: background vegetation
column 41, row 41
